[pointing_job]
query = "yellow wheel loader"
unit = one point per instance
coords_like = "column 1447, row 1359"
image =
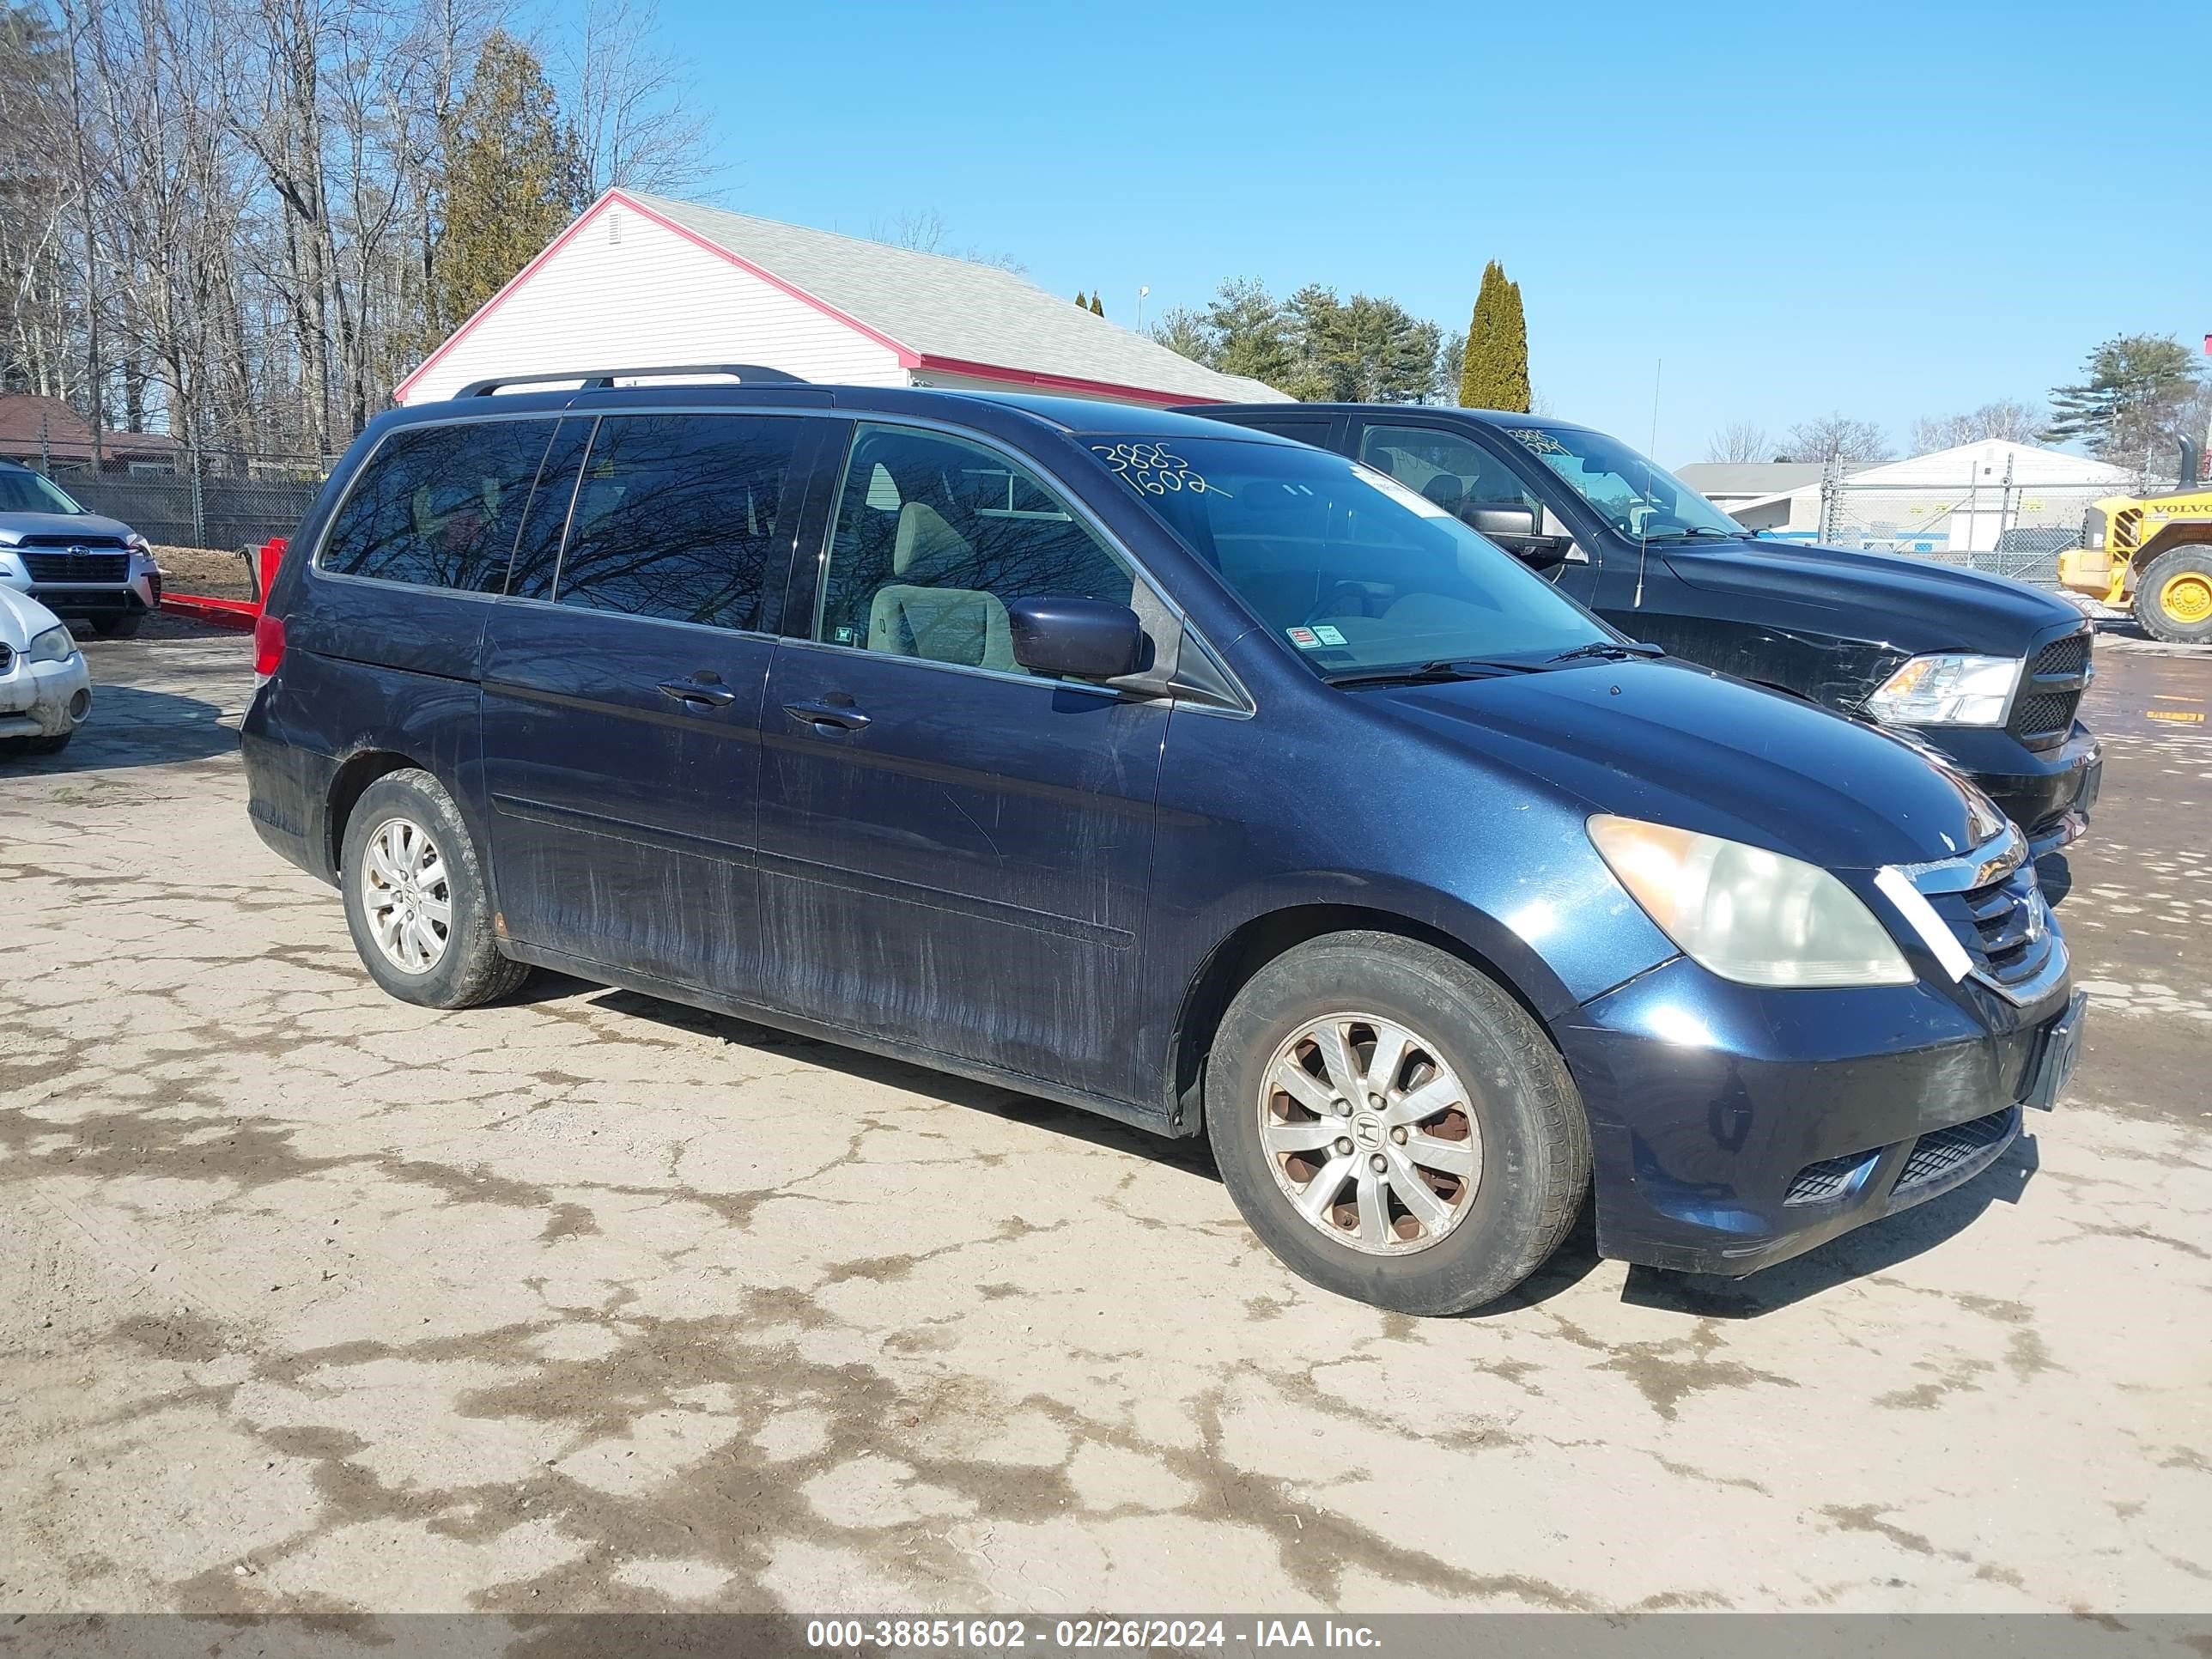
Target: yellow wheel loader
column 2153, row 554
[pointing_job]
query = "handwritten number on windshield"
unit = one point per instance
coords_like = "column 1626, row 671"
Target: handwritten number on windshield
column 1153, row 468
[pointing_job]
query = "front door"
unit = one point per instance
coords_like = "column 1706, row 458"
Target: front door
column 622, row 696
column 1465, row 477
column 955, row 854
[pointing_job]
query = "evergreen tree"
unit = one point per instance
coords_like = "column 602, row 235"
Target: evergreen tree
column 1494, row 374
column 1097, row 308
column 512, row 181
column 1081, row 304
column 2129, row 402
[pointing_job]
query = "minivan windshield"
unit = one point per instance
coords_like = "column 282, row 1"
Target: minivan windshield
column 1356, row 572
column 1636, row 496
column 27, row 492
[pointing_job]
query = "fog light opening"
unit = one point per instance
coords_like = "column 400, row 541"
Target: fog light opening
column 81, row 704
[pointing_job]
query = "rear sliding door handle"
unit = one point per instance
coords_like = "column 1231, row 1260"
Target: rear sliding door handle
column 842, row 717
column 703, row 693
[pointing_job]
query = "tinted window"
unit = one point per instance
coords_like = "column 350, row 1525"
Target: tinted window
column 1447, row 468
column 538, row 550
column 676, row 517
column 936, row 536
column 27, row 492
column 1635, row 495
column 439, row 505
column 1351, row 567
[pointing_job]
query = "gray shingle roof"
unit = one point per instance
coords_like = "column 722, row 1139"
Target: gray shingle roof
column 943, row 307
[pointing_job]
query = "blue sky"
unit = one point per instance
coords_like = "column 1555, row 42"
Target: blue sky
column 1885, row 210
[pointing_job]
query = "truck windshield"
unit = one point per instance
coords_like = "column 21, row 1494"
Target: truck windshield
column 1636, row 496
column 1356, row 571
column 26, row 492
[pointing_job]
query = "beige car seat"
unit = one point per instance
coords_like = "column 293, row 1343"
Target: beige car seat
column 914, row 618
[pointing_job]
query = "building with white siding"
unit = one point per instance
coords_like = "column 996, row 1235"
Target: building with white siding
column 639, row 281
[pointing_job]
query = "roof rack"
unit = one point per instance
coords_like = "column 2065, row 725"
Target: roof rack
column 599, row 379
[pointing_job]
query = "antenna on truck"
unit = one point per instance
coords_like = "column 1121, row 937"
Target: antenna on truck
column 1643, row 526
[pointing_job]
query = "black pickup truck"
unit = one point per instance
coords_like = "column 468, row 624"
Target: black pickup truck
column 1984, row 671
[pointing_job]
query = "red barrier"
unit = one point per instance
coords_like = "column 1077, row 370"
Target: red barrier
column 232, row 613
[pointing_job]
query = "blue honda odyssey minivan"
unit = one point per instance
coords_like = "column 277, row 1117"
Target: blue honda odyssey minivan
column 1178, row 772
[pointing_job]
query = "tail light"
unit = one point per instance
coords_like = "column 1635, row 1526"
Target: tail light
column 267, row 644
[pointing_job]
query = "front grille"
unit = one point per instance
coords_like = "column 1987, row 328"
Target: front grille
column 90, row 544
column 1827, row 1178
column 1944, row 1152
column 2043, row 712
column 77, row 566
column 2004, row 926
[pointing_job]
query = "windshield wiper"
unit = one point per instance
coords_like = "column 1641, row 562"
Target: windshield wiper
column 1443, row 668
column 1611, row 650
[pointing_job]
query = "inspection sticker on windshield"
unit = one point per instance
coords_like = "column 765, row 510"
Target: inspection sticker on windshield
column 1328, row 635
column 1306, row 640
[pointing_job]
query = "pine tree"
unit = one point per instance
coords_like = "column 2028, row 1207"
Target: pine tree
column 1096, row 309
column 512, row 180
column 1494, row 374
column 1081, row 304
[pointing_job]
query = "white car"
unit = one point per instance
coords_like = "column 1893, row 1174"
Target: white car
column 45, row 689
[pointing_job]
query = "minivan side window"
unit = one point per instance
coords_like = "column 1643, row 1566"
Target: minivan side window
column 676, row 517
column 936, row 536
column 439, row 505
column 1450, row 470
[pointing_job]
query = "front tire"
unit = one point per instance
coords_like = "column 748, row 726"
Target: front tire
column 1394, row 1125
column 2173, row 597
column 416, row 901
column 48, row 745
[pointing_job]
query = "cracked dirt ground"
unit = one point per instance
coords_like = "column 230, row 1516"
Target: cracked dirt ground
column 310, row 1300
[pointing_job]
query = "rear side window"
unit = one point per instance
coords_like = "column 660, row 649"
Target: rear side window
column 676, row 517
column 439, row 505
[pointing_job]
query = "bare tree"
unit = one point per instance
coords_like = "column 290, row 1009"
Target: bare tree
column 1835, row 438
column 629, row 101
column 1740, row 441
column 916, row 230
column 2007, row 418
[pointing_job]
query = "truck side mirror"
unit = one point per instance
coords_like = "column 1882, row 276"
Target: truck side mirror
column 1515, row 527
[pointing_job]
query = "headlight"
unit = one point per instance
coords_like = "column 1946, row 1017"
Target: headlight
column 55, row 645
column 1748, row 914
column 1949, row 690
column 138, row 543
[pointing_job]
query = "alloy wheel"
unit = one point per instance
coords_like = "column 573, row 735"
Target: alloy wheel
column 406, row 895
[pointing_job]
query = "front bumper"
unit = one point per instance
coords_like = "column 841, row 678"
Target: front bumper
column 44, row 700
column 2048, row 793
column 78, row 601
column 1732, row 1127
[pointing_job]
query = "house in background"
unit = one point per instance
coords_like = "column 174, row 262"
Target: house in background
column 640, row 280
column 45, row 433
column 1953, row 501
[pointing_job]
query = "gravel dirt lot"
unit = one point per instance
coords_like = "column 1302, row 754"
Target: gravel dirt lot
column 313, row 1301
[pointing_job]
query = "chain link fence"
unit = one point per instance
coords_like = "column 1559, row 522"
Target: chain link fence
column 225, row 500
column 1994, row 523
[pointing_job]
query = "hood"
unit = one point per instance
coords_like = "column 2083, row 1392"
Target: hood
column 1678, row 745
column 20, row 617
column 14, row 526
column 1916, row 605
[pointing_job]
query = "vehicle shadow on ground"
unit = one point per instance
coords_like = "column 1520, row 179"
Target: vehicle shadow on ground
column 1872, row 1250
column 130, row 727
column 1575, row 1259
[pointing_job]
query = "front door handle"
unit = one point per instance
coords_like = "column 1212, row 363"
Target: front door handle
column 842, row 717
column 706, row 693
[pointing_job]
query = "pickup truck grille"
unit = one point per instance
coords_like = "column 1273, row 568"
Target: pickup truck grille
column 2043, row 712
column 77, row 566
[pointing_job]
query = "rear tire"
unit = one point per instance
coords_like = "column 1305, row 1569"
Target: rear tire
column 1456, row 1088
column 2173, row 597
column 116, row 627
column 416, row 901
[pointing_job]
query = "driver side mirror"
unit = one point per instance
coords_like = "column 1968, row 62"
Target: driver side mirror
column 1515, row 527
column 1077, row 639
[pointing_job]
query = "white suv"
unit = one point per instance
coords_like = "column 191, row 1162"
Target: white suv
column 80, row 565
column 45, row 689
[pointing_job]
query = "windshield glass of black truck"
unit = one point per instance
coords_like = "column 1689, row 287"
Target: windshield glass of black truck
column 1637, row 497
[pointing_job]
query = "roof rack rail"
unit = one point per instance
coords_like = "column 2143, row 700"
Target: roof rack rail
column 598, row 380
